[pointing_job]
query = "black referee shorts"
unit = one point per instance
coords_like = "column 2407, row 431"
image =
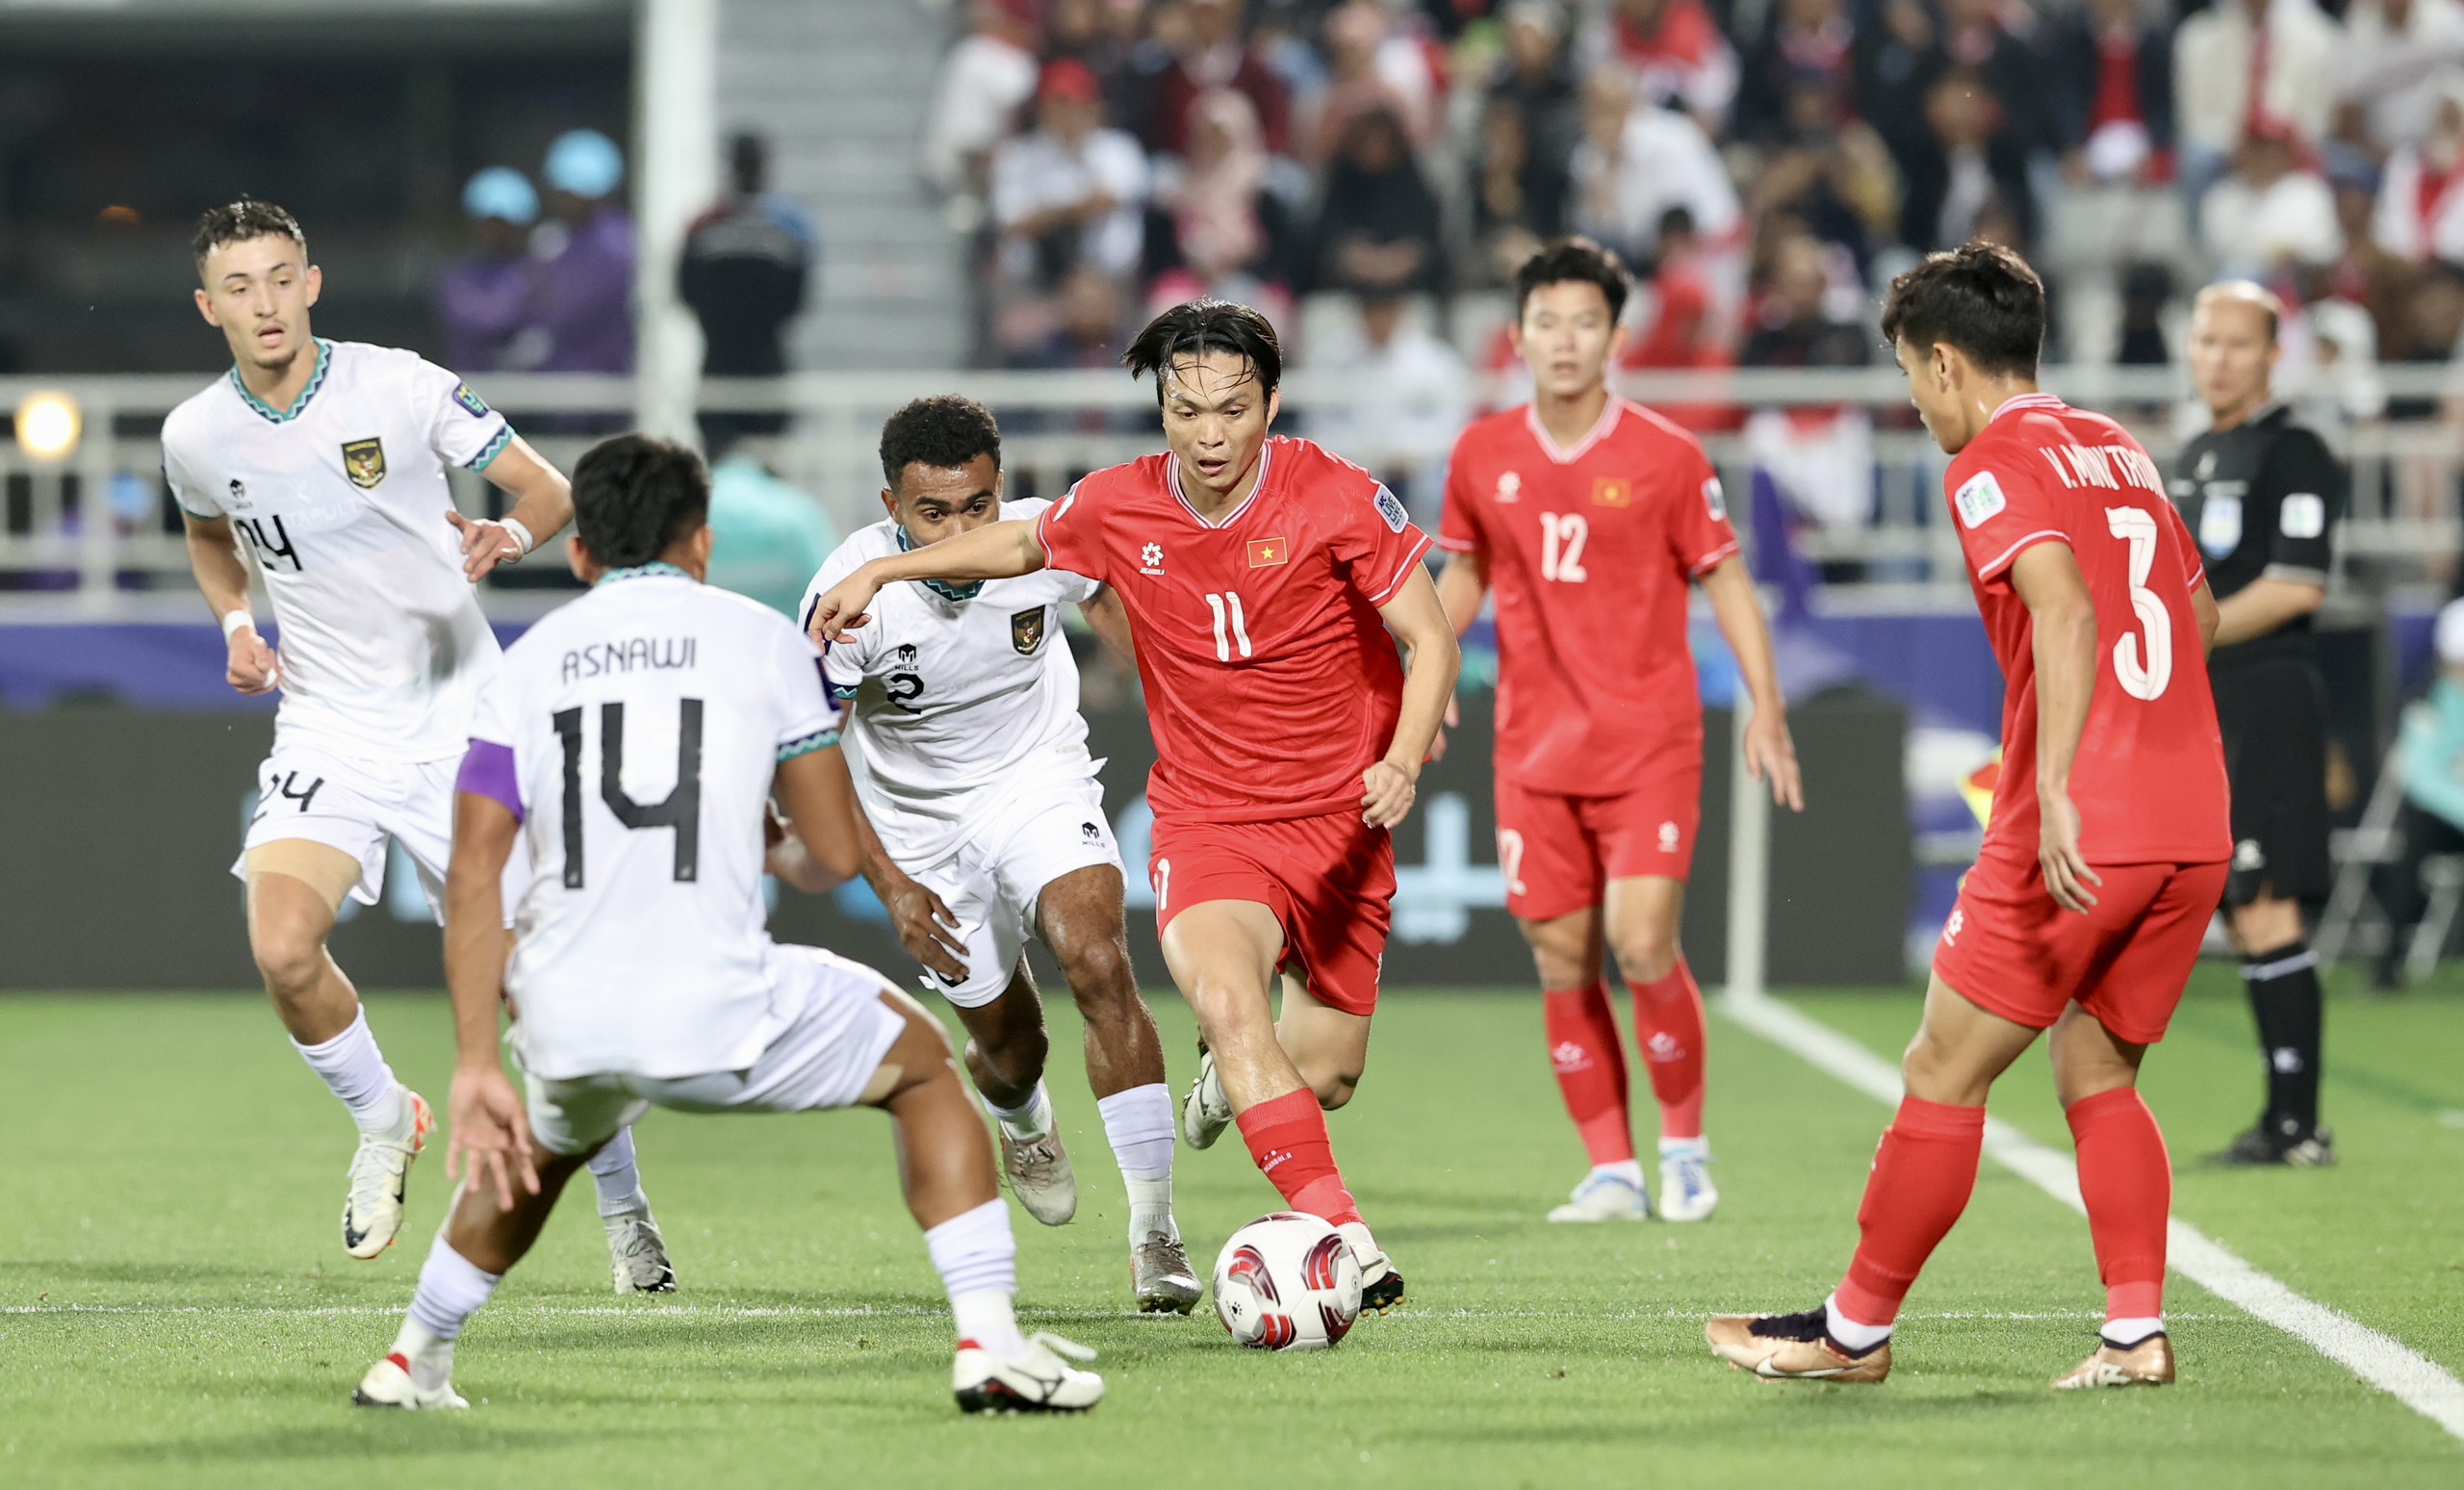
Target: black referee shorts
column 2274, row 714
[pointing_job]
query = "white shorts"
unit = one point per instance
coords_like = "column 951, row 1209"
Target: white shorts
column 313, row 791
column 1042, row 830
column 824, row 1058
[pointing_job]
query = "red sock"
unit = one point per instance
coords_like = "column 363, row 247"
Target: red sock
column 1288, row 1139
column 1590, row 1062
column 2127, row 1181
column 1923, row 1175
column 1668, row 1025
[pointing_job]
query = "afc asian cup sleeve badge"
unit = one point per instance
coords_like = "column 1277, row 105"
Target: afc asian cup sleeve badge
column 1026, row 630
column 1715, row 499
column 469, row 402
column 1391, row 509
column 364, row 462
column 1978, row 498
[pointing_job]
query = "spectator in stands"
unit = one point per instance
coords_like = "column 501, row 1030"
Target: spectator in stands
column 1377, row 227
column 1682, row 321
column 1103, row 33
column 988, row 77
column 484, row 300
column 1211, row 51
column 1675, row 54
column 2420, row 202
column 1635, row 162
column 1070, row 192
column 1829, row 171
column 2367, row 275
column 767, row 537
column 1968, row 172
column 1978, row 35
column 2146, row 288
column 1412, row 395
column 1079, row 327
column 1821, row 459
column 2270, row 213
column 1529, row 124
column 2430, row 754
column 1805, row 41
column 1223, row 231
column 2112, row 94
column 1907, row 59
column 586, row 254
column 1805, row 318
column 744, row 270
column 2225, row 81
column 1371, row 65
column 2399, row 60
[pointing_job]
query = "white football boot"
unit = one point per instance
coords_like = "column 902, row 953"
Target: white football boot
column 1605, row 1195
column 1381, row 1286
column 1035, row 1379
column 373, row 1211
column 1041, row 1175
column 1160, row 1276
column 1687, row 1193
column 1206, row 1112
column 637, row 1254
column 389, row 1384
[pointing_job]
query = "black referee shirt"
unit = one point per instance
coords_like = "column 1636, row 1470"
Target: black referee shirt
column 2262, row 498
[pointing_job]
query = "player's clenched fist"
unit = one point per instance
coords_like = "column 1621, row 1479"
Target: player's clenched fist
column 251, row 667
column 486, row 544
column 842, row 607
column 1386, row 794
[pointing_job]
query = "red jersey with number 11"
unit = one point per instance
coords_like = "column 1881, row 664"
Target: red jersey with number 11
column 2149, row 779
column 1272, row 681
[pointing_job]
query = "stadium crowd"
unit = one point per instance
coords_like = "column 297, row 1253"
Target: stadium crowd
column 1766, row 166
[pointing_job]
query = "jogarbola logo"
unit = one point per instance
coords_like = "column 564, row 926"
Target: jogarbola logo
column 1026, row 630
column 364, row 462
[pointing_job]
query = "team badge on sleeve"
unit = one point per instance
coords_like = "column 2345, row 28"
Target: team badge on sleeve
column 1715, row 499
column 471, row 404
column 1026, row 630
column 1978, row 498
column 364, row 462
column 2303, row 515
column 1390, row 509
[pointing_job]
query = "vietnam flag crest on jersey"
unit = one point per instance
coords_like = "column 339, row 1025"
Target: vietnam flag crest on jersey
column 1267, row 553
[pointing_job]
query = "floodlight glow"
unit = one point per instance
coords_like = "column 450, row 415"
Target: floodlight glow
column 48, row 425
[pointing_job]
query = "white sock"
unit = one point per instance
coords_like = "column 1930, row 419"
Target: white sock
column 1027, row 1123
column 1630, row 1171
column 452, row 1289
column 1699, row 1148
column 1847, row 1331
column 1139, row 1124
column 355, row 1070
column 619, row 1176
column 978, row 1260
column 2126, row 1333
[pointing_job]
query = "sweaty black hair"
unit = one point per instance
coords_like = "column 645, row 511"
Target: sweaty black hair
column 943, row 431
column 1196, row 328
column 236, row 222
column 1565, row 260
column 1982, row 299
column 636, row 496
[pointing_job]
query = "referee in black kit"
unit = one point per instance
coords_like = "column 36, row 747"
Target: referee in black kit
column 2262, row 495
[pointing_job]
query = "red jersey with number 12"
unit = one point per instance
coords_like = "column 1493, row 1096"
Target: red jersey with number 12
column 1272, row 681
column 2149, row 779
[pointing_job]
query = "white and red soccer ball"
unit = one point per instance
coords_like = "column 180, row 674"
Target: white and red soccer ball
column 1287, row 1282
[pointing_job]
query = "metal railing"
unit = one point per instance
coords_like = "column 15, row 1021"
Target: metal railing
column 96, row 528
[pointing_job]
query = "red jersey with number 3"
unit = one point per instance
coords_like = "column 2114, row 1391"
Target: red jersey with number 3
column 2149, row 780
column 1271, row 682
column 1590, row 551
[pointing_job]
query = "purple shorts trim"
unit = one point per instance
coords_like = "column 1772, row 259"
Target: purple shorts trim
column 487, row 771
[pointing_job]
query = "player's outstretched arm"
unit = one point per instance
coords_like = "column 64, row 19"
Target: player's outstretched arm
column 221, row 574
column 1108, row 619
column 1431, row 660
column 487, row 1123
column 543, row 504
column 996, row 551
column 820, row 803
column 2064, row 617
column 1770, row 751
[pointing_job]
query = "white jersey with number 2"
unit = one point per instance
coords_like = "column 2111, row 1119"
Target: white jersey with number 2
column 341, row 500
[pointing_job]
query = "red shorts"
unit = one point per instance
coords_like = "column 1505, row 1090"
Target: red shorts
column 1560, row 852
column 1330, row 880
column 2009, row 949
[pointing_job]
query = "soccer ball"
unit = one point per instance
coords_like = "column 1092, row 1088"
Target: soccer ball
column 1287, row 1282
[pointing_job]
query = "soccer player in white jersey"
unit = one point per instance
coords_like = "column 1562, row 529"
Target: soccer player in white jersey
column 628, row 750
column 328, row 459
column 986, row 823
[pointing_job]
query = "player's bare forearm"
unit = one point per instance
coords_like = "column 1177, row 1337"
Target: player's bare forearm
column 543, row 504
column 1108, row 619
column 1738, row 610
column 2064, row 617
column 2264, row 605
column 2205, row 616
column 1432, row 659
column 476, row 941
column 1461, row 585
column 996, row 551
column 220, row 569
column 820, row 802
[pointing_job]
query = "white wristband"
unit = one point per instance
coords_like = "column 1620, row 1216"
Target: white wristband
column 520, row 534
column 233, row 620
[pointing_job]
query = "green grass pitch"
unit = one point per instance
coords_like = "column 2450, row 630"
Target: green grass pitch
column 178, row 1309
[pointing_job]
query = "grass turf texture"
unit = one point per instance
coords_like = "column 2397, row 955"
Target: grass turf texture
column 180, row 1310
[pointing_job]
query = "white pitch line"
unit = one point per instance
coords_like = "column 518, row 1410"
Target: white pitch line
column 2382, row 1360
column 925, row 1311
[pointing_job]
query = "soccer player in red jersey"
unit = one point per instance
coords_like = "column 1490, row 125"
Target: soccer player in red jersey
column 1268, row 584
column 1590, row 517
column 2108, row 845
